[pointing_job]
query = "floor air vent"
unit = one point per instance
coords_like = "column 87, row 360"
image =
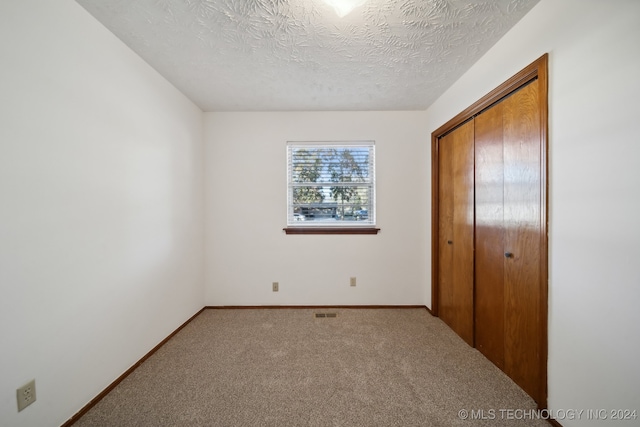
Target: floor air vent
column 326, row 315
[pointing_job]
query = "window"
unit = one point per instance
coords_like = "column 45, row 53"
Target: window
column 331, row 185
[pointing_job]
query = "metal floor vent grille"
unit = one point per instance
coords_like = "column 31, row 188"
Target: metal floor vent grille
column 326, row 315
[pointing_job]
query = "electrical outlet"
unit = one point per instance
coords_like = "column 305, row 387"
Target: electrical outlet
column 26, row 395
column 352, row 281
column 275, row 286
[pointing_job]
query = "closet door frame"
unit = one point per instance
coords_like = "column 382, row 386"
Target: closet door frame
column 536, row 70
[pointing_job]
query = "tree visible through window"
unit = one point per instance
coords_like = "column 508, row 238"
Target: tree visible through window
column 331, row 184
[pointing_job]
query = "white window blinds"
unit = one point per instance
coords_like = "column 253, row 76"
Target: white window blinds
column 331, row 184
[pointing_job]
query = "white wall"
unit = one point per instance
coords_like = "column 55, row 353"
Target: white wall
column 246, row 212
column 594, row 284
column 101, row 201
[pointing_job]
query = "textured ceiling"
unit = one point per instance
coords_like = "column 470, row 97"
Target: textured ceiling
column 282, row 55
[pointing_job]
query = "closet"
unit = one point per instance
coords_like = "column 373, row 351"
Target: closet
column 490, row 227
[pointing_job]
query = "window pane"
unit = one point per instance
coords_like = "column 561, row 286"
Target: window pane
column 331, row 184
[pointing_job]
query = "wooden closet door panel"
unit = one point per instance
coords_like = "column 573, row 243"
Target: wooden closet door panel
column 489, row 285
column 522, row 204
column 463, row 226
column 456, row 302
column 445, row 234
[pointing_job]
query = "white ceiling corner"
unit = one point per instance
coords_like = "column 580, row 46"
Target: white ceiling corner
column 283, row 55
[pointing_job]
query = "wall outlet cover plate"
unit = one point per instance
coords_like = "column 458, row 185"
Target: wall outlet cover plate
column 26, row 395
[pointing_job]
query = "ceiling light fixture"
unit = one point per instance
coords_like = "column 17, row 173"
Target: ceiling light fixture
column 344, row 7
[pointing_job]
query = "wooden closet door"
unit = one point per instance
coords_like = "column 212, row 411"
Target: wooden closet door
column 456, row 230
column 489, row 181
column 508, row 236
column 522, row 225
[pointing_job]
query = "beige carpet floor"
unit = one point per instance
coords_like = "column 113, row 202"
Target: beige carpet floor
column 285, row 367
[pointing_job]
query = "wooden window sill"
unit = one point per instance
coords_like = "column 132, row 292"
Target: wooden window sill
column 331, row 230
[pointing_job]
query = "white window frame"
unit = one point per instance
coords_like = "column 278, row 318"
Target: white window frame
column 346, row 215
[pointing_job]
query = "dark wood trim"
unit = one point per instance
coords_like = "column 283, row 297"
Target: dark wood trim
column 543, row 82
column 435, row 224
column 538, row 69
column 554, row 423
column 331, row 230
column 524, row 76
column 312, row 307
column 118, row 380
